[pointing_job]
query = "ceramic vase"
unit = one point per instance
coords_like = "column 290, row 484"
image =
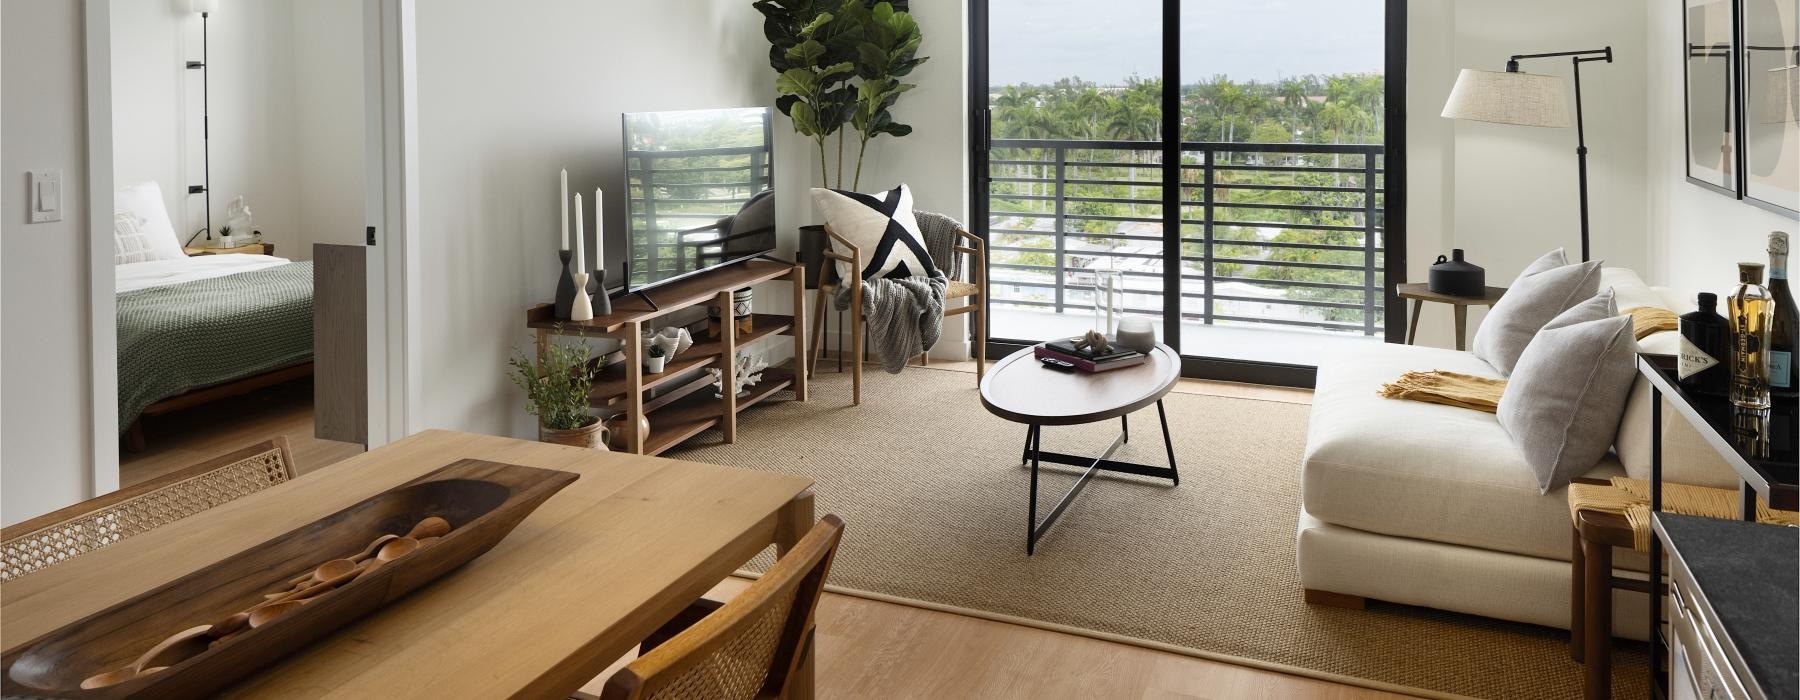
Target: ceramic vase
column 565, row 286
column 596, row 288
column 592, row 436
column 583, row 309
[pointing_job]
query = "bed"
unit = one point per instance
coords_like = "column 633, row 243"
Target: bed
column 197, row 329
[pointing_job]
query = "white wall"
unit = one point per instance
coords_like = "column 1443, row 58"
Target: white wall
column 506, row 97
column 286, row 110
column 45, row 451
column 1697, row 236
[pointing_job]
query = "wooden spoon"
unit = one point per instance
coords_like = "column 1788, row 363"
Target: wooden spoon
column 179, row 646
column 433, row 526
column 266, row 614
column 394, row 549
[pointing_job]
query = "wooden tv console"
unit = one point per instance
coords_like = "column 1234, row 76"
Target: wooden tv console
column 689, row 408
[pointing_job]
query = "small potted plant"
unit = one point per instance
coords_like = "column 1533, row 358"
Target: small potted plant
column 556, row 388
column 654, row 357
column 227, row 237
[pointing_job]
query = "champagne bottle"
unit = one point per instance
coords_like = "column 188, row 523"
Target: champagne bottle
column 1784, row 330
column 1751, row 311
column 1702, row 365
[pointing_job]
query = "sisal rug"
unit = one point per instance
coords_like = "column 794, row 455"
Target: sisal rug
column 932, row 489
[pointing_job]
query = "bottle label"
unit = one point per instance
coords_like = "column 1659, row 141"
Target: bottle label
column 1692, row 360
column 1780, row 368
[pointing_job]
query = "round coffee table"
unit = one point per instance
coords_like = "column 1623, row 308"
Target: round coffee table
column 1022, row 390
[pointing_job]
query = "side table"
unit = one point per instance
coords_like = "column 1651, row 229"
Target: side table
column 1420, row 293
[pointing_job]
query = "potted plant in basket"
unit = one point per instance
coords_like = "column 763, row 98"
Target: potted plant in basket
column 556, row 391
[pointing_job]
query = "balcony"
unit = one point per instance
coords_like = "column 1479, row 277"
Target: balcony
column 1280, row 247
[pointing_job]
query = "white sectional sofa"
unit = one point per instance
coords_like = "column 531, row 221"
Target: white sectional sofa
column 1431, row 505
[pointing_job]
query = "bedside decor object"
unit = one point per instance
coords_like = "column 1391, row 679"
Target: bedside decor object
column 1456, row 277
column 1702, row 365
column 1546, row 288
column 463, row 510
column 1562, row 403
column 1750, row 312
column 1525, row 99
column 654, row 357
column 1137, row 334
column 238, row 230
column 557, row 383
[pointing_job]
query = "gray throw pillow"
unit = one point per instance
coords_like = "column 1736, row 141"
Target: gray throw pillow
column 1546, row 288
column 1564, row 399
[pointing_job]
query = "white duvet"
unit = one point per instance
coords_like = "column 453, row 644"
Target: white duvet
column 135, row 276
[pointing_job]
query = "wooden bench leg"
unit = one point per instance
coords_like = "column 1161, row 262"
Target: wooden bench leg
column 1597, row 620
column 1577, row 592
column 1336, row 600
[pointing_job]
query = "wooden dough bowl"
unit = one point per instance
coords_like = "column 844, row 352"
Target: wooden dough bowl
column 483, row 501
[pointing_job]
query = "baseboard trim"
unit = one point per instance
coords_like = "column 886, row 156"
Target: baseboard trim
column 1136, row 642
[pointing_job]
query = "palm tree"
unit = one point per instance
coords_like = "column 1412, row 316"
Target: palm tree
column 1293, row 96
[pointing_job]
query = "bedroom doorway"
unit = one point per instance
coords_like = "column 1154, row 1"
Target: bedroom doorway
column 253, row 149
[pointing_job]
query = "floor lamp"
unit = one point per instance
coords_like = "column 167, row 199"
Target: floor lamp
column 1526, row 99
column 204, row 8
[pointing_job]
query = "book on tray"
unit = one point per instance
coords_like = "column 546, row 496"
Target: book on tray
column 1085, row 359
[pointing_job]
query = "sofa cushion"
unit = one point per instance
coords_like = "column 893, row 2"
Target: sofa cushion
column 1421, row 470
column 1562, row 405
column 1546, row 288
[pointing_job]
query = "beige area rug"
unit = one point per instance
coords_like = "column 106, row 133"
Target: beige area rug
column 932, row 490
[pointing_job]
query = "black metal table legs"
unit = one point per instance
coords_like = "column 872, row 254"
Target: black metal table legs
column 1034, row 455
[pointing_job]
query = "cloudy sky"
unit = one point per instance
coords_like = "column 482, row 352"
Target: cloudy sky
column 1039, row 41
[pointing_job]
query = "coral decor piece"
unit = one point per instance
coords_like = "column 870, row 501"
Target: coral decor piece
column 749, row 372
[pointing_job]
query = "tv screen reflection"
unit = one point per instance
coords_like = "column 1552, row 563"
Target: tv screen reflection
column 700, row 190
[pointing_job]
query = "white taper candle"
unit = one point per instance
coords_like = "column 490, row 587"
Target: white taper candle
column 599, row 231
column 579, row 228
column 565, row 208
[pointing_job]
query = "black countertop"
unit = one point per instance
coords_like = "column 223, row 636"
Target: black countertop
column 1762, row 445
column 1750, row 574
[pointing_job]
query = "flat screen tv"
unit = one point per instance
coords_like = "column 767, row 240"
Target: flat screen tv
column 700, row 191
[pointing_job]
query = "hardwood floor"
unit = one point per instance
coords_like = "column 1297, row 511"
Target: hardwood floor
column 188, row 437
column 867, row 648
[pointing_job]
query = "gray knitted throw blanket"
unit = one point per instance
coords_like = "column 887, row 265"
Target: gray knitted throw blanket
column 904, row 316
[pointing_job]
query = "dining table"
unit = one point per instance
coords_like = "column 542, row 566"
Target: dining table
column 577, row 585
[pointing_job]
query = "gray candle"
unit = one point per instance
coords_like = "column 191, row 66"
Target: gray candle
column 1137, row 334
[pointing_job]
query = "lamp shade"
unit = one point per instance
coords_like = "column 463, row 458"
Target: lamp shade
column 1522, row 99
column 1781, row 96
column 198, row 6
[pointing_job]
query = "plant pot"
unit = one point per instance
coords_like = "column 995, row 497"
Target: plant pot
column 812, row 253
column 654, row 365
column 621, row 431
column 592, row 436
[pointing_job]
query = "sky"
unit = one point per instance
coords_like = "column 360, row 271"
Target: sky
column 1040, row 41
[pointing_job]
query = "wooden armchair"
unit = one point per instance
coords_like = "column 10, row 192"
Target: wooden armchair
column 750, row 647
column 62, row 535
column 946, row 240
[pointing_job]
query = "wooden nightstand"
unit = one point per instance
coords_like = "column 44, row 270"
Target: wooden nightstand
column 252, row 249
column 1420, row 293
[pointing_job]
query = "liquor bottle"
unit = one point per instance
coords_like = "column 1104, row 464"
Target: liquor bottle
column 1750, row 313
column 1784, row 330
column 1702, row 366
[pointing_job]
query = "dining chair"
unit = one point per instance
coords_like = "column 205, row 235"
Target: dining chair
column 750, row 647
column 64, row 534
column 946, row 239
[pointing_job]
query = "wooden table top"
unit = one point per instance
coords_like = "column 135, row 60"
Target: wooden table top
column 1422, row 291
column 1023, row 390
column 579, row 583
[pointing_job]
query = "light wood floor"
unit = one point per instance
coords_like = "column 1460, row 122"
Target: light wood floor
column 867, row 648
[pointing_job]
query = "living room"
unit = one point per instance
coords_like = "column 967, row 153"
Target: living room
column 720, row 327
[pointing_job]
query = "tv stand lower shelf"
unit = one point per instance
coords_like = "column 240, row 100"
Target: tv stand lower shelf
column 683, row 410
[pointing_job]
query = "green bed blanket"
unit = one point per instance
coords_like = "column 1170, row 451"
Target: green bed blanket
column 181, row 337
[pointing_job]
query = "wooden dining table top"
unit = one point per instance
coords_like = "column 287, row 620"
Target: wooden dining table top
column 580, row 582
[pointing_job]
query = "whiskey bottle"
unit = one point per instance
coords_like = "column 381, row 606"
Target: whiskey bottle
column 1702, row 365
column 1784, row 330
column 1750, row 312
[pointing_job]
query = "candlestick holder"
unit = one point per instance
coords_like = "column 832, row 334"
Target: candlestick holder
column 597, row 289
column 583, row 308
column 565, row 286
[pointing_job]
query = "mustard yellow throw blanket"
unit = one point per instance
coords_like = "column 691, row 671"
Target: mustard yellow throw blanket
column 1448, row 388
column 1646, row 320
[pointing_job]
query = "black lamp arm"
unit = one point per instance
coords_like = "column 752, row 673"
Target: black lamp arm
column 1585, row 55
column 1581, row 150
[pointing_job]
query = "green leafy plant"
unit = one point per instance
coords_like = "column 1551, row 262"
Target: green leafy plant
column 838, row 63
column 557, row 384
column 655, row 351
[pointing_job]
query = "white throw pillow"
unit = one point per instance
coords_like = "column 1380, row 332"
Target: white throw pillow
column 130, row 245
column 883, row 229
column 144, row 201
column 1546, row 288
column 1562, row 404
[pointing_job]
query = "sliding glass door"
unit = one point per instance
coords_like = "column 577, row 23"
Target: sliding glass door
column 1282, row 134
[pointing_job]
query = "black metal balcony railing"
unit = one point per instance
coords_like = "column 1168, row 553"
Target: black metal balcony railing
column 670, row 192
column 1294, row 227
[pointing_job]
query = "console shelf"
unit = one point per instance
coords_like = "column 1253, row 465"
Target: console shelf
column 685, row 410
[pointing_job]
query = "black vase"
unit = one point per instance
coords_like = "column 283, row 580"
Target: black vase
column 565, row 287
column 1457, row 277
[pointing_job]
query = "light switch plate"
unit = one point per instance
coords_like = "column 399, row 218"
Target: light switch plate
column 46, row 196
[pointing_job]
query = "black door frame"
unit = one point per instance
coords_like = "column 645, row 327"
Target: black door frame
column 1393, row 192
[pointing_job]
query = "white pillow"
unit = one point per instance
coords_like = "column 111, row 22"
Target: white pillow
column 1562, row 404
column 144, row 202
column 130, row 245
column 1545, row 289
column 883, row 229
